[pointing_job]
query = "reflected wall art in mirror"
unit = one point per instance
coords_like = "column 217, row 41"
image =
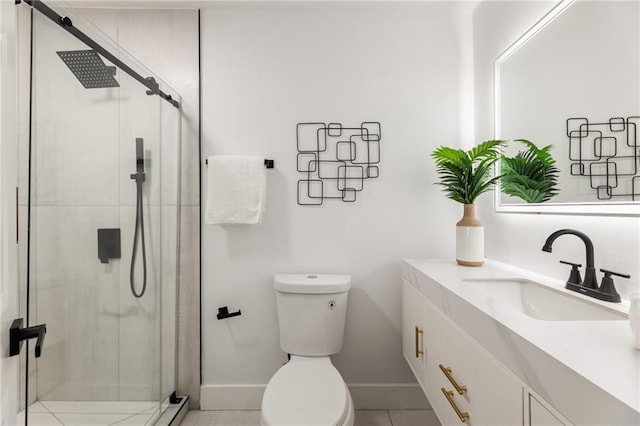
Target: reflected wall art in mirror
column 573, row 81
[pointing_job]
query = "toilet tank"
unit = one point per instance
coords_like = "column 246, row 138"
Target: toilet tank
column 311, row 312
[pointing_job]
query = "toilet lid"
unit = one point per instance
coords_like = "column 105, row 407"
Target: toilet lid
column 305, row 391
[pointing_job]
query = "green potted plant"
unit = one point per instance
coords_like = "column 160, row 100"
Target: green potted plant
column 464, row 176
column 531, row 175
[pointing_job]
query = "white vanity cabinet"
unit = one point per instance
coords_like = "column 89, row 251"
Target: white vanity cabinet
column 468, row 379
column 539, row 413
column 462, row 382
column 487, row 357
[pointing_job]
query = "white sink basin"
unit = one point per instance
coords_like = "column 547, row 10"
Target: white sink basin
column 542, row 302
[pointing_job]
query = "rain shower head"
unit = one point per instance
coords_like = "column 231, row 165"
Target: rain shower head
column 89, row 69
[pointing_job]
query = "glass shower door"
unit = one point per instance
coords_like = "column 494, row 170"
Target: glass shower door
column 100, row 265
column 140, row 218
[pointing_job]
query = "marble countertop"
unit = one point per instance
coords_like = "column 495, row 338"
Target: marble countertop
column 588, row 370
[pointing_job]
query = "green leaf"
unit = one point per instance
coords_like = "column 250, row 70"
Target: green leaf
column 465, row 175
column 531, row 175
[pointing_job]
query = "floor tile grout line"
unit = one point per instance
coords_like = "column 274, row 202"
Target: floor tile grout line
column 55, row 413
column 389, row 422
column 56, row 417
column 389, row 416
column 45, row 407
column 126, row 418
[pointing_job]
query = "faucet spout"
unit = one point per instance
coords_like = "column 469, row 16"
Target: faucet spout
column 590, row 280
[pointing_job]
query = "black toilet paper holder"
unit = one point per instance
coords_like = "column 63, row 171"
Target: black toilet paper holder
column 223, row 313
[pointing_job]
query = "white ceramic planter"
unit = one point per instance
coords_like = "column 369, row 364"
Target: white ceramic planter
column 469, row 239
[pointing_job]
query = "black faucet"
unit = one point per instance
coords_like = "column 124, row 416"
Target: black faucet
column 590, row 280
column 589, row 286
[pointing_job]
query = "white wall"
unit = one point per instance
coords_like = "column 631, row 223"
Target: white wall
column 517, row 238
column 267, row 67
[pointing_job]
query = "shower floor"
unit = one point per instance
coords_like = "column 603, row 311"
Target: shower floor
column 102, row 413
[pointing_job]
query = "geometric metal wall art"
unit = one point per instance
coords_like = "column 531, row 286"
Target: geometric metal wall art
column 335, row 161
column 608, row 154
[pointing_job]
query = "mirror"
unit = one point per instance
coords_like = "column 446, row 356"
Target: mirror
column 573, row 81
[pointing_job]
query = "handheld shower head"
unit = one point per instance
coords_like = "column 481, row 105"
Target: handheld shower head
column 139, row 230
column 139, row 155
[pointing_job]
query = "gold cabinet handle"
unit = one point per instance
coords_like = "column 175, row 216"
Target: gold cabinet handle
column 418, row 350
column 447, row 372
column 463, row 416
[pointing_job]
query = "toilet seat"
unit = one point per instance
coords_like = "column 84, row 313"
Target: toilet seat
column 306, row 391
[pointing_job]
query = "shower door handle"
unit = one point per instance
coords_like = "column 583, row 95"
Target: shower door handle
column 17, row 334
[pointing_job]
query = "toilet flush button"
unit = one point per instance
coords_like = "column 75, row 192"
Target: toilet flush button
column 332, row 304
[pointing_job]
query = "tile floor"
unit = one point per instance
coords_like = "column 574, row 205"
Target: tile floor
column 363, row 418
column 90, row 413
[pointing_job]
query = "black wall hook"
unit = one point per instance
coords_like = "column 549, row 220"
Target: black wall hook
column 224, row 313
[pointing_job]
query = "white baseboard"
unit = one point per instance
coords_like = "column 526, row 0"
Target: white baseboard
column 380, row 396
column 231, row 397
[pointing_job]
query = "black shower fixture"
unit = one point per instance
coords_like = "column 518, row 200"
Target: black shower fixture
column 89, row 68
column 139, row 177
column 103, row 74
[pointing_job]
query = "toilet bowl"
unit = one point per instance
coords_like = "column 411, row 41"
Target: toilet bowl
column 307, row 391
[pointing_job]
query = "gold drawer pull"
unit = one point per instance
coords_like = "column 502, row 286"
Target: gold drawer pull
column 418, row 350
column 463, row 416
column 447, row 372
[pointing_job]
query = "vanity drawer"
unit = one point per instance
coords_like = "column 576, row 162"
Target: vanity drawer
column 488, row 392
column 451, row 410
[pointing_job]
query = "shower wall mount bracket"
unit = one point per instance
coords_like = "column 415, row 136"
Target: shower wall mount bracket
column 155, row 86
column 174, row 398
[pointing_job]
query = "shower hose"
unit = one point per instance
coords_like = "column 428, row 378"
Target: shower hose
column 139, row 178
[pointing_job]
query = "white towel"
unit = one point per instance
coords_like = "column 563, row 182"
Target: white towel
column 237, row 189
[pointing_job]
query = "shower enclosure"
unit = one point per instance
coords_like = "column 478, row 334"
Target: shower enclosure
column 99, row 226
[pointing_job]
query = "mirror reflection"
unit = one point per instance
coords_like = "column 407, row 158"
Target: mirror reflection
column 575, row 85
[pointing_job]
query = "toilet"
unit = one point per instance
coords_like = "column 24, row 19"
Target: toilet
column 308, row 390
